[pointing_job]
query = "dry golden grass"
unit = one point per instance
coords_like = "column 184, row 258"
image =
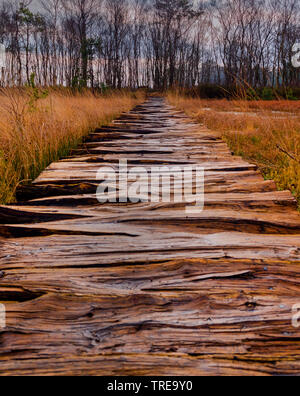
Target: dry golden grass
column 264, row 133
column 35, row 132
column 226, row 105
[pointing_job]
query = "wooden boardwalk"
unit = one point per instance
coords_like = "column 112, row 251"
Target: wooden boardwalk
column 145, row 289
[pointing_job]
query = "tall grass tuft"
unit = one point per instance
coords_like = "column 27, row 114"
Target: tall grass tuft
column 39, row 128
column 266, row 133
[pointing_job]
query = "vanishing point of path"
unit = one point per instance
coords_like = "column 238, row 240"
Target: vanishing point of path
column 145, row 289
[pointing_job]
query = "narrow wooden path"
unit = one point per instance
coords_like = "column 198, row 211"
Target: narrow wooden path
column 146, row 289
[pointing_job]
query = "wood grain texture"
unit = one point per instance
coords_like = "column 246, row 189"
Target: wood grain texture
column 145, row 289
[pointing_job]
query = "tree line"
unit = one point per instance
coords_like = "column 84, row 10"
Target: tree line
column 152, row 43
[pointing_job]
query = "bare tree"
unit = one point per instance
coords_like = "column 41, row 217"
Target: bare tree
column 80, row 16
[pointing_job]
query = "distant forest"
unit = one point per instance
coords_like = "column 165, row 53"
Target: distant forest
column 159, row 44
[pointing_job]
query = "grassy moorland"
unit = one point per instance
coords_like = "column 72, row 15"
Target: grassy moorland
column 38, row 127
column 266, row 133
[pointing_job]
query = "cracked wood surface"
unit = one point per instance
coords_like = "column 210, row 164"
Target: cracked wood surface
column 145, row 289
